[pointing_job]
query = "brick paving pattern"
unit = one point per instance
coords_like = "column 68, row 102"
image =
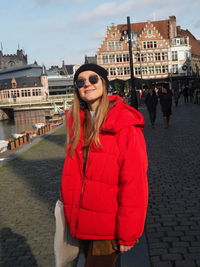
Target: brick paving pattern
column 28, row 192
column 30, row 187
column 173, row 221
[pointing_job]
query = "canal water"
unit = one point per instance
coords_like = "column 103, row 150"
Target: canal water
column 9, row 127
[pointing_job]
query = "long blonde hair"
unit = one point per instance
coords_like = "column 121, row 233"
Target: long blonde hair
column 91, row 130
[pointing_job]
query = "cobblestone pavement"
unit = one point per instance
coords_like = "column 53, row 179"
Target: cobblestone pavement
column 30, row 187
column 28, row 192
column 173, row 221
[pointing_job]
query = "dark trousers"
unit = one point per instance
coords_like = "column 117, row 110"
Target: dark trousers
column 186, row 99
column 93, row 259
column 152, row 116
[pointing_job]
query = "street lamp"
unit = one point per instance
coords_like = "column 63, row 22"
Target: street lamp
column 139, row 56
column 127, row 32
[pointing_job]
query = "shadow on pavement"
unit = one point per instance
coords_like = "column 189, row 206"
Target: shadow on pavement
column 14, row 250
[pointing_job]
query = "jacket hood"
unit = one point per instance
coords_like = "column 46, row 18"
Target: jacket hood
column 121, row 116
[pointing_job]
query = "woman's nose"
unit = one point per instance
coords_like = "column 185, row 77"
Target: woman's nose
column 87, row 83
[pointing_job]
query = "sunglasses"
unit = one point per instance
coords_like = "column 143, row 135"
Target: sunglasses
column 93, row 79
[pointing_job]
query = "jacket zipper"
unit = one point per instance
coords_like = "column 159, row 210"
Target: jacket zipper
column 82, row 187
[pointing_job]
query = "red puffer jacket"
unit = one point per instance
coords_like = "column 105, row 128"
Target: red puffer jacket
column 109, row 200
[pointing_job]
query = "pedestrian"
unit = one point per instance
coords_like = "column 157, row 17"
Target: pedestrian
column 176, row 97
column 165, row 96
column 104, row 182
column 151, row 101
column 191, row 94
column 185, row 94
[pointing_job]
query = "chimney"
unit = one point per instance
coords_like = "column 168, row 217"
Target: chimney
column 172, row 27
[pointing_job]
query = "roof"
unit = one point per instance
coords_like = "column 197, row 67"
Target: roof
column 31, row 70
column 20, row 82
column 195, row 44
column 162, row 26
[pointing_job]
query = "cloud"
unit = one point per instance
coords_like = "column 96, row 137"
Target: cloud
column 113, row 9
column 39, row 3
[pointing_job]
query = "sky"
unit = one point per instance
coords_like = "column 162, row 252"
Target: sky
column 50, row 31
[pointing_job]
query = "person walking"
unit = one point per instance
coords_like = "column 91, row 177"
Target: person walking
column 166, row 105
column 151, row 101
column 176, row 97
column 186, row 94
column 104, row 186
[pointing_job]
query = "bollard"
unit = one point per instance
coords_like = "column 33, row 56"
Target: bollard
column 28, row 137
column 25, row 139
column 16, row 142
column 12, row 144
column 21, row 141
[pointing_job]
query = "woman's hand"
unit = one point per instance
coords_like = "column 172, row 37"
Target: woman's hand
column 124, row 248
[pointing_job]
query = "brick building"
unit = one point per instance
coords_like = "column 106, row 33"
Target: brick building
column 161, row 51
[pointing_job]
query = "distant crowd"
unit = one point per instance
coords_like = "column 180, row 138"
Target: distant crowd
column 165, row 97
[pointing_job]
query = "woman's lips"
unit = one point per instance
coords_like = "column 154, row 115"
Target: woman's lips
column 89, row 91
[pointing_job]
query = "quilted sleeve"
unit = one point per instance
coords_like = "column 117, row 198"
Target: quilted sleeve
column 133, row 185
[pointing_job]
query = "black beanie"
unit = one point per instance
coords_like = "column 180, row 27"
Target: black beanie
column 93, row 67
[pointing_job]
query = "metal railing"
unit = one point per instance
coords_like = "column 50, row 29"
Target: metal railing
column 42, row 101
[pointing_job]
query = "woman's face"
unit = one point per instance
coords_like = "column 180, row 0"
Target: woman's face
column 91, row 89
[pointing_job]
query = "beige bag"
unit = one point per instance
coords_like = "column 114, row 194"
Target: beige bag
column 66, row 248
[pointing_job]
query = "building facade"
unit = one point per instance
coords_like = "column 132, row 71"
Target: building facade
column 12, row 60
column 161, row 50
column 23, row 84
column 32, row 83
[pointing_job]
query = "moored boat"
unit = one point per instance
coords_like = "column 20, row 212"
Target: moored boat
column 3, row 146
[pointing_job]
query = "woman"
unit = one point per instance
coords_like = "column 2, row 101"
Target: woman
column 104, row 184
column 151, row 101
column 166, row 105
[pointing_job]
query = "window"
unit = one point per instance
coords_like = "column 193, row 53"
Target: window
column 126, row 70
column 120, row 71
column 114, row 45
column 157, row 56
column 137, row 71
column 164, row 56
column 149, row 32
column 151, row 69
column 165, row 69
column 125, row 57
column 143, row 57
column 26, row 93
column 111, row 58
column 150, row 57
column 174, row 55
column 14, row 84
column 158, row 69
column 144, row 71
column 112, row 71
column 150, row 44
column 105, row 58
column 175, row 68
column 119, row 57
column 6, row 94
column 36, row 92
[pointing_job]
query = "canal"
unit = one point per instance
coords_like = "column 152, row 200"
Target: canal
column 9, row 127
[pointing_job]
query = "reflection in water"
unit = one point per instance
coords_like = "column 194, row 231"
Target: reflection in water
column 8, row 127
